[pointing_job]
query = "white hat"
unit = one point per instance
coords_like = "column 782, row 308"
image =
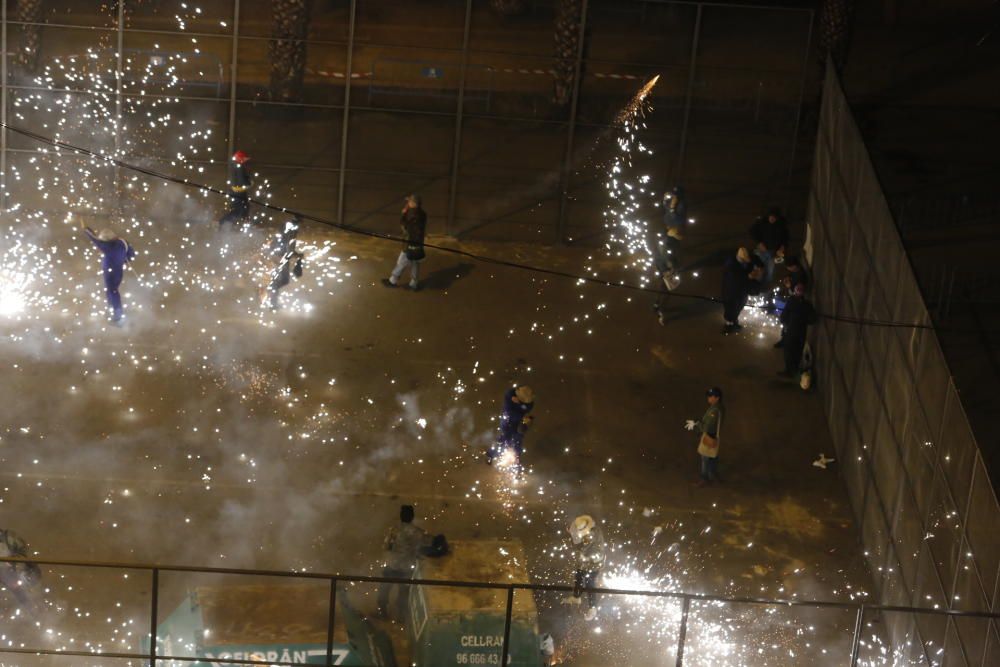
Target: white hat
column 106, row 235
column 581, row 528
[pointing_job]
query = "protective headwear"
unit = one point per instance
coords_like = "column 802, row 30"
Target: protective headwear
column 714, row 391
column 292, row 226
column 525, row 394
column 239, row 157
column 106, row 235
column 581, row 528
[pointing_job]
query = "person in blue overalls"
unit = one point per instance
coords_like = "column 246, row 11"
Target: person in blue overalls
column 115, row 254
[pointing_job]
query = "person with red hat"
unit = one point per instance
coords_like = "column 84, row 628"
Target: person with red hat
column 239, row 190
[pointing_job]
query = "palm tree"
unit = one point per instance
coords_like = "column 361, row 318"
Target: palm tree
column 835, row 29
column 29, row 12
column 287, row 48
column 568, row 16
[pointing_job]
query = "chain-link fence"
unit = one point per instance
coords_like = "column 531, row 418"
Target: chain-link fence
column 914, row 473
column 497, row 112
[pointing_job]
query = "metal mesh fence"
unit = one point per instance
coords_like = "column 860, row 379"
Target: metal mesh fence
column 452, row 98
column 916, row 478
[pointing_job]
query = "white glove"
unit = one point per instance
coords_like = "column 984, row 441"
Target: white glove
column 689, row 424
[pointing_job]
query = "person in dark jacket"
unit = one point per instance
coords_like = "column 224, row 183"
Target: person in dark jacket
column 740, row 278
column 796, row 318
column 281, row 242
column 515, row 419
column 796, row 276
column 414, row 224
column 115, row 254
column 290, row 264
column 770, row 233
column 240, row 183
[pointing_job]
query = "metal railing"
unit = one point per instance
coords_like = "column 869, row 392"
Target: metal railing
column 153, row 656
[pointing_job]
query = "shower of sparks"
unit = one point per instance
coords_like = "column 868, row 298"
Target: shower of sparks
column 51, row 295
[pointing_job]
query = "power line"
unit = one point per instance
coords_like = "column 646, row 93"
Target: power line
column 485, row 259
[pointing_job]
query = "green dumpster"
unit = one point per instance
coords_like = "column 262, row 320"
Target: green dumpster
column 464, row 626
column 270, row 623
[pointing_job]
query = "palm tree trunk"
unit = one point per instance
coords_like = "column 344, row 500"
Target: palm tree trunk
column 287, row 48
column 508, row 7
column 29, row 11
column 835, row 29
column 568, row 16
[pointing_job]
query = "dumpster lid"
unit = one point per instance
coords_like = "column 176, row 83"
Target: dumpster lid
column 266, row 614
column 496, row 561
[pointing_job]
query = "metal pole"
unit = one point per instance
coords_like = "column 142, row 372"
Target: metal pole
column 347, row 114
column 505, row 654
column 457, row 148
column 798, row 114
column 331, row 615
column 856, row 645
column 682, row 635
column 3, row 108
column 232, row 82
column 571, row 130
column 682, row 150
column 155, row 603
column 118, row 80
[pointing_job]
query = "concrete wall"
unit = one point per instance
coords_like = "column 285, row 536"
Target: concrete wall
column 927, row 511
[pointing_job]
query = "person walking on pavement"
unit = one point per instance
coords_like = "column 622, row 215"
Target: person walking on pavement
column 515, row 420
column 240, row 183
column 740, row 279
column 795, row 319
column 414, row 224
column 770, row 233
column 589, row 549
column 115, row 254
column 710, row 429
column 402, row 546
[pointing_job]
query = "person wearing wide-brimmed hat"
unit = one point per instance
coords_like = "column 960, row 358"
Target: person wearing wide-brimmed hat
column 116, row 253
column 514, row 422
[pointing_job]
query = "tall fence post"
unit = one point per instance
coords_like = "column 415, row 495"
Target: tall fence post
column 456, row 154
column 574, row 104
column 685, row 611
column 119, row 77
column 331, row 615
column 347, row 113
column 505, row 653
column 798, row 112
column 3, row 108
column 232, row 79
column 153, row 621
column 688, row 94
column 856, row 644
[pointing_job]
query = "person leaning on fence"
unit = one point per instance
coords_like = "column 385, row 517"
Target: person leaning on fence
column 414, row 225
column 402, row 545
column 710, row 429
